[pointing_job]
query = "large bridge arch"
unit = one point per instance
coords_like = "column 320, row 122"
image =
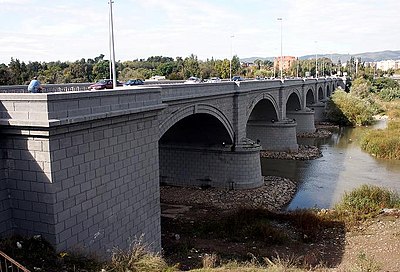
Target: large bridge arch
column 310, row 97
column 321, row 95
column 265, row 125
column 197, row 109
column 293, row 100
column 255, row 108
column 197, row 149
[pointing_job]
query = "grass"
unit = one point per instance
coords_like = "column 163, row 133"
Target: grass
column 137, row 258
column 385, row 143
column 254, row 224
column 365, row 202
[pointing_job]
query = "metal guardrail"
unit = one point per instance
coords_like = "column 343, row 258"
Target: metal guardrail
column 7, row 264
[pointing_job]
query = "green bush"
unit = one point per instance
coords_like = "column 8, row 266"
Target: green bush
column 366, row 201
column 389, row 94
column 384, row 83
column 384, row 143
column 346, row 109
column 361, row 88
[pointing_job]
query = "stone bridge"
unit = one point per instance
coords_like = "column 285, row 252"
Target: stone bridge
column 83, row 168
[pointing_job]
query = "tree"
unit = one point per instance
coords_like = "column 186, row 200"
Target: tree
column 191, row 66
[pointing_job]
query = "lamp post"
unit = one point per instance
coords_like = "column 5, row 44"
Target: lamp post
column 281, row 62
column 230, row 60
column 112, row 50
column 316, row 61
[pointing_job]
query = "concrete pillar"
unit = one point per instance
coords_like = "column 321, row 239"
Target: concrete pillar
column 218, row 166
column 319, row 111
column 304, row 119
column 277, row 136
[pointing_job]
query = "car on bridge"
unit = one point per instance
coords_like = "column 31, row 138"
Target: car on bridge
column 103, row 84
column 213, row 80
column 192, row 80
column 133, row 82
column 237, row 78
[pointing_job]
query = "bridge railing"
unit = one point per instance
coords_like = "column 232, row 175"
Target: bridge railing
column 7, row 264
column 73, row 87
column 48, row 88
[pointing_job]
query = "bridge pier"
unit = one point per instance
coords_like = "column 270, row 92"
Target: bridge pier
column 277, row 136
column 227, row 167
column 319, row 111
column 304, row 119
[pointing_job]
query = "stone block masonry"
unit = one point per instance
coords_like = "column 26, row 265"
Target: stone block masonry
column 89, row 182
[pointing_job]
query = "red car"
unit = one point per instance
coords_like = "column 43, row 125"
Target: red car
column 103, row 84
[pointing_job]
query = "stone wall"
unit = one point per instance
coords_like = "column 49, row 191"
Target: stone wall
column 215, row 167
column 5, row 205
column 81, row 169
column 278, row 136
column 105, row 180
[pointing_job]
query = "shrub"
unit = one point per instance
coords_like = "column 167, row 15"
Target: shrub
column 383, row 83
column 361, row 88
column 384, row 143
column 137, row 258
column 366, row 201
column 389, row 94
column 346, row 109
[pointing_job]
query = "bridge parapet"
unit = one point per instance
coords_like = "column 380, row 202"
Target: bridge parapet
column 51, row 109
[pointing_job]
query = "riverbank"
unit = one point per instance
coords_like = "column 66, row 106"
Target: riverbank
column 193, row 229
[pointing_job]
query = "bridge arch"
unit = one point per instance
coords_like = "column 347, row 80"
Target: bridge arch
column 197, row 109
column 263, row 104
column 320, row 94
column 293, row 100
column 328, row 91
column 310, row 97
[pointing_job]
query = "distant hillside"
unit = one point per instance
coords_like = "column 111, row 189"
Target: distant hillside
column 252, row 59
column 367, row 56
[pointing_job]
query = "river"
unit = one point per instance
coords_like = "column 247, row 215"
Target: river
column 343, row 167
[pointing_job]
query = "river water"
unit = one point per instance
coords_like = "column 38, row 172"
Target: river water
column 343, row 167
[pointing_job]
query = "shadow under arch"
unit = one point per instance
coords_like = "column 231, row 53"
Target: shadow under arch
column 255, row 102
column 197, row 109
column 320, row 94
column 293, row 101
column 310, row 97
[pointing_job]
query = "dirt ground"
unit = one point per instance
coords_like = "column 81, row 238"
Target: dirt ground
column 374, row 243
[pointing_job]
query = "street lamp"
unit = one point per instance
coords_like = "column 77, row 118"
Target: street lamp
column 112, row 50
column 281, row 62
column 316, row 61
column 230, row 60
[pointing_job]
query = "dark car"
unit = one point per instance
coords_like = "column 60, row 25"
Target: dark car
column 237, row 78
column 133, row 82
column 103, row 84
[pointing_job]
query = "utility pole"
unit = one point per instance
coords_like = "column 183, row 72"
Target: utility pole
column 281, row 62
column 112, row 50
column 230, row 60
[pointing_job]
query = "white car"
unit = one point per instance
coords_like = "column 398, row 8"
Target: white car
column 214, row 80
column 193, row 80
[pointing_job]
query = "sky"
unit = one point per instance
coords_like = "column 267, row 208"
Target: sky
column 69, row 30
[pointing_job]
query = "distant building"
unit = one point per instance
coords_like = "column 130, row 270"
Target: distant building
column 388, row 64
column 287, row 62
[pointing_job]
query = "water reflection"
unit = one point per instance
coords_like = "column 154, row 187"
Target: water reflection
column 343, row 167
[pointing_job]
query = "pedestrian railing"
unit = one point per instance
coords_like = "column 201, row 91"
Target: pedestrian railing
column 7, row 264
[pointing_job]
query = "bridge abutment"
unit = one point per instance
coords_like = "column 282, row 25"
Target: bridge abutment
column 277, row 136
column 81, row 169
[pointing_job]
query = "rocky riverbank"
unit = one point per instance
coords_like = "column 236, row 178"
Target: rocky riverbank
column 305, row 152
column 274, row 195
